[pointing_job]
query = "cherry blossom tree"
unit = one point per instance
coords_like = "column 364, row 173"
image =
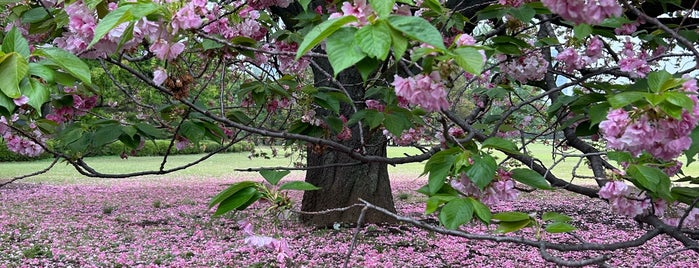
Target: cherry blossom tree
column 472, row 84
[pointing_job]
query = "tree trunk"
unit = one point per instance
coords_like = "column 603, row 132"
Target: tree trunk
column 342, row 186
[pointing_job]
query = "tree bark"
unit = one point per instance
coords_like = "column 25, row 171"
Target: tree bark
column 342, row 186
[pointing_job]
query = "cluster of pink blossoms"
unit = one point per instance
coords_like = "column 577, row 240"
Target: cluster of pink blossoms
column 81, row 105
column 358, row 8
column 408, row 137
column 663, row 137
column 81, row 28
column 18, row 143
column 279, row 246
column 427, row 91
column 529, row 67
column 630, row 203
column 635, row 64
column 501, row 189
column 626, row 202
column 584, row 11
column 572, row 60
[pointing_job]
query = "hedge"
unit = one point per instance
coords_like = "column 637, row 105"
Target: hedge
column 150, row 148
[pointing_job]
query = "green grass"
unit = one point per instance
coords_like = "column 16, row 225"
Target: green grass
column 224, row 165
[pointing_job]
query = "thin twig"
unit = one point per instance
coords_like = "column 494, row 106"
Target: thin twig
column 360, row 221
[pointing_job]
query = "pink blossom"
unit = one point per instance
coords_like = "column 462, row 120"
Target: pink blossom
column 166, row 51
column 613, row 189
column 594, row 48
column 159, row 76
column 181, row 142
column 530, row 67
column 584, row 11
column 570, row 59
column 287, row 63
column 186, row 18
column 374, row 105
column 465, row 40
column 346, row 132
column 358, row 8
column 261, row 4
column 22, row 100
column 426, row 91
column 637, row 68
column 626, row 28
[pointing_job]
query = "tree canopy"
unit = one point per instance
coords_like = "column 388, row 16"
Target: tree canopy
column 466, row 82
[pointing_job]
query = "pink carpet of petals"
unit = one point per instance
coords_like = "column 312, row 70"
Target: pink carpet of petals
column 164, row 222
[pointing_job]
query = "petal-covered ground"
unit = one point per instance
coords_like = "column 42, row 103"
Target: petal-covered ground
column 165, row 222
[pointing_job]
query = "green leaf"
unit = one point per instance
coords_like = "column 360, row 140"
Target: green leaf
column 470, row 59
column 236, row 200
column 320, row 32
column 68, row 62
column 105, row 135
column 125, row 13
column 511, row 216
column 500, row 144
column 304, row 4
column 192, row 131
column 511, row 226
column 433, row 203
column 37, row 93
column 482, row 211
column 374, row 40
column 343, row 51
column 298, row 185
column 382, row 7
column 367, row 66
column 648, row 178
column 679, row 99
column 555, row 217
column 455, row 213
column 531, row 178
column 396, row 124
column 581, row 31
column 273, row 176
column 694, row 148
column 7, row 104
column 419, row 29
column 234, row 188
column 625, row 98
column 482, row 171
column 150, row 131
column 598, row 113
column 41, row 71
column 657, row 79
column 559, row 227
column 400, row 44
column 327, row 101
column 35, row 15
column 251, row 201
column 15, row 42
column 438, row 166
column 13, row 68
column 523, row 13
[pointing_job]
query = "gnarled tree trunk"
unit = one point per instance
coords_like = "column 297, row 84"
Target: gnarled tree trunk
column 342, row 186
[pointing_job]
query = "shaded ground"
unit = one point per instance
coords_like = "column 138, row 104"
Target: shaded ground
column 165, row 222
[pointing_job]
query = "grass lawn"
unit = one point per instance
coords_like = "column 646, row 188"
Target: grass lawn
column 225, row 165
